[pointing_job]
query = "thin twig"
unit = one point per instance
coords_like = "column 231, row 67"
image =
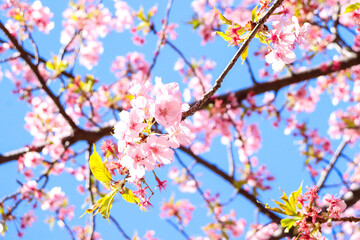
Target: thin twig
column 180, row 229
column 230, row 159
column 89, row 188
column 331, row 164
column 119, row 228
column 252, row 76
column 13, row 57
column 67, row 227
column 162, row 38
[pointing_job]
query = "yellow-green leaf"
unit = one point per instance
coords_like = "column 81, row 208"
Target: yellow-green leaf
column 106, row 204
column 98, row 168
column 244, row 54
column 287, row 223
column 290, row 209
column 129, row 196
column 141, row 14
column 352, row 7
column 103, row 205
column 294, row 196
column 254, row 15
column 194, row 22
column 274, row 209
column 50, row 65
column 223, row 35
column 224, row 19
column 4, row 228
column 90, row 210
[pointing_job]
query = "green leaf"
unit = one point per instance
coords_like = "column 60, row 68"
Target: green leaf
column 195, row 23
column 239, row 184
column 351, row 8
column 244, row 54
column 129, row 196
column 103, row 205
column 106, row 204
column 254, row 16
column 262, row 38
column 294, row 196
column 224, row 19
column 349, row 123
column 63, row 65
column 50, row 65
column 4, row 228
column 141, row 15
column 287, row 223
column 223, row 35
column 274, row 209
column 98, row 168
column 289, row 209
column 90, row 210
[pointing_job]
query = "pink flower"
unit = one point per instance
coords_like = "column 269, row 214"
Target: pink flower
column 161, row 184
column 182, row 210
column 66, row 212
column 32, row 159
column 135, row 161
column 124, row 18
column 180, row 135
column 55, row 199
column 30, row 189
column 279, row 57
column 137, row 40
column 89, row 54
column 28, row 219
column 108, row 146
column 158, row 149
column 336, row 206
column 128, row 129
column 167, row 111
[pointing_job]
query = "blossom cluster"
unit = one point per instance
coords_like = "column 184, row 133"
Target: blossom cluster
column 311, row 214
column 30, row 16
column 284, row 36
column 142, row 147
column 181, row 210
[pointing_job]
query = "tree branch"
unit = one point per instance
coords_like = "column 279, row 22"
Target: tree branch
column 277, row 84
column 85, row 135
column 331, row 164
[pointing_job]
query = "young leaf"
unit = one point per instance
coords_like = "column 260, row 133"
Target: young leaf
column 290, row 209
column 352, row 7
column 224, row 19
column 274, row 209
column 194, row 22
column 294, row 196
column 98, row 168
column 244, row 54
column 50, row 65
column 141, row 15
column 287, row 223
column 254, row 15
column 224, row 36
column 3, row 228
column 90, row 210
column 129, row 196
column 106, row 204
